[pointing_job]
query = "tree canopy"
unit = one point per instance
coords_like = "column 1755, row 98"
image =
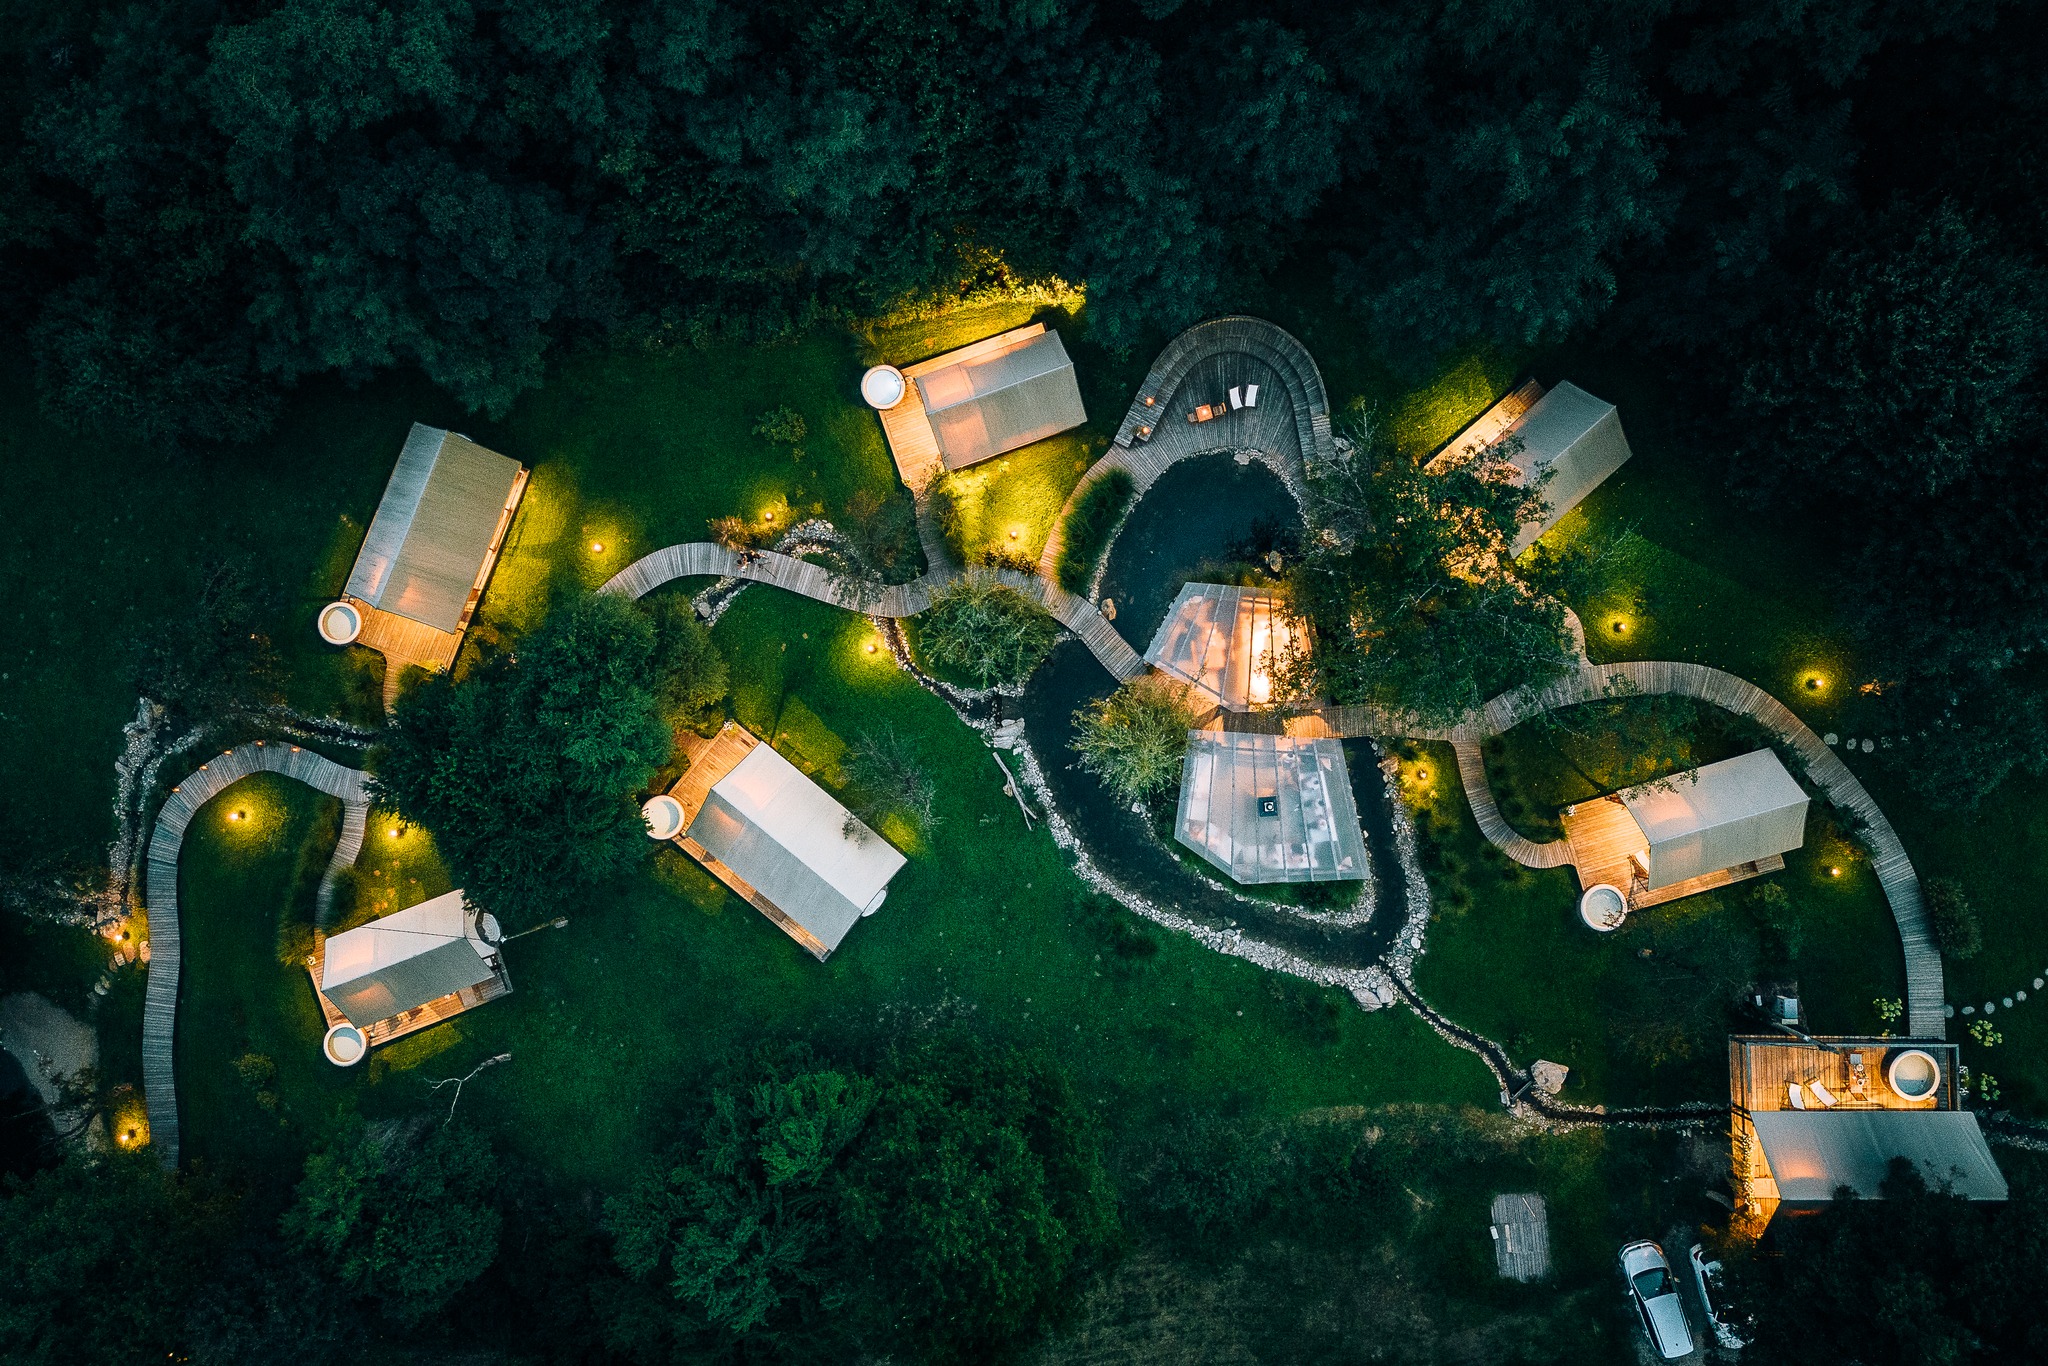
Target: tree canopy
column 206, row 203
column 1136, row 738
column 986, row 630
column 526, row 770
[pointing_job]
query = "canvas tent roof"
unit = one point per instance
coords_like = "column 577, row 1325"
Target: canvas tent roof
column 1578, row 439
column 1718, row 816
column 1002, row 400
column 791, row 841
column 1812, row 1152
column 1226, row 642
column 1270, row 808
column 405, row 960
column 433, row 529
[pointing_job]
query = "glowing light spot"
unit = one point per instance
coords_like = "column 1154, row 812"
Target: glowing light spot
column 238, row 815
column 392, row 833
column 1814, row 682
column 1620, row 627
column 1834, row 871
column 871, row 648
column 597, row 547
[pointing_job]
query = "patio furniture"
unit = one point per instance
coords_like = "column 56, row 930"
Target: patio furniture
column 1859, row 1076
column 1236, row 397
column 1205, row 412
column 1251, row 395
column 1798, row 1096
column 1822, row 1094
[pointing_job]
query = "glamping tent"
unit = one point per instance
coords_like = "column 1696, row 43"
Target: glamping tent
column 992, row 401
column 437, row 530
column 1741, row 810
column 1226, row 643
column 410, row 969
column 1270, row 808
column 1566, row 434
column 781, row 841
column 1816, row 1114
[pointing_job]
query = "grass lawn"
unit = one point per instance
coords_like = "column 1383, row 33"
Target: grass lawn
column 1641, row 1015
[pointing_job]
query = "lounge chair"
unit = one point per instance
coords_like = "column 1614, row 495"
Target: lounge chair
column 1251, row 395
column 1798, row 1096
column 1822, row 1094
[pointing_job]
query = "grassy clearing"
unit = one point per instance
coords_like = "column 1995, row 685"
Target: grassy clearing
column 1641, row 1015
column 1002, row 510
column 659, row 978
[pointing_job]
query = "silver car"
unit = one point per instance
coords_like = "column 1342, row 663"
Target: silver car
column 1655, row 1292
column 1707, row 1275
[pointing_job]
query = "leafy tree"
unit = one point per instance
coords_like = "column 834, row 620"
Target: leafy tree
column 407, row 1225
column 690, row 677
column 1908, row 367
column 1413, row 599
column 96, row 1258
column 979, row 1193
column 209, row 659
column 525, row 770
column 1952, row 918
column 883, row 531
column 885, row 767
column 1955, row 1281
column 1136, row 738
column 987, row 630
column 737, row 1235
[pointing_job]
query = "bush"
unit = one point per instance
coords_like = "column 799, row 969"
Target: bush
column 1135, row 739
column 985, row 630
column 1088, row 526
column 890, row 775
column 784, row 426
column 1951, row 917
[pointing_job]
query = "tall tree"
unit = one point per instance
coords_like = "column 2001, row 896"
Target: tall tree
column 525, row 771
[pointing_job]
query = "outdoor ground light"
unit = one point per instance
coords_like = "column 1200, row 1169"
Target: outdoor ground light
column 237, row 815
column 597, row 547
column 1620, row 626
column 871, row 647
column 392, row 833
column 1814, row 682
column 1834, row 871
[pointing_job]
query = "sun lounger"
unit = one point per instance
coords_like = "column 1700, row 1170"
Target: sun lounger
column 1822, row 1094
column 1251, row 395
column 1798, row 1096
column 1236, row 397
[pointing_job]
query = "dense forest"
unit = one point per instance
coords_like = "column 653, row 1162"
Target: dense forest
column 1827, row 219
column 207, row 201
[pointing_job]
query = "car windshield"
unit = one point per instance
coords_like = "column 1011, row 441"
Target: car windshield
column 1654, row 1282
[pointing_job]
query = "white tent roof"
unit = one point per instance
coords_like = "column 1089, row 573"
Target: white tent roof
column 1270, row 808
column 404, row 960
column 1718, row 816
column 790, row 840
column 1812, row 1152
column 1226, row 642
column 432, row 530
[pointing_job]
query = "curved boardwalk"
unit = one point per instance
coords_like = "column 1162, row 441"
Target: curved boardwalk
column 1824, row 769
column 160, row 1005
column 1202, row 365
column 1493, row 825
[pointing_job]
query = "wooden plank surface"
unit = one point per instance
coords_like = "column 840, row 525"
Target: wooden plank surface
column 160, row 998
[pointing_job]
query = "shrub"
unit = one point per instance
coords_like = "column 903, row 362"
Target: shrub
column 887, row 769
column 985, row 630
column 1088, row 526
column 1135, row 739
column 784, row 426
column 1952, row 919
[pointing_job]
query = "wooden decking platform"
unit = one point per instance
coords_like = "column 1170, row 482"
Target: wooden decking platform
column 1520, row 1225
column 1763, row 1069
column 1487, row 428
column 160, row 1000
column 419, row 1017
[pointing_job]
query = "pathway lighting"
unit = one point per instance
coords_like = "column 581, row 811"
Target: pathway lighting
column 1833, row 871
column 392, row 833
column 1620, row 627
column 237, row 815
column 871, row 647
column 597, row 547
column 1814, row 682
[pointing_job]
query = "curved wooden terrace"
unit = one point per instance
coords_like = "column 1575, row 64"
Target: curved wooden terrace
column 209, row 780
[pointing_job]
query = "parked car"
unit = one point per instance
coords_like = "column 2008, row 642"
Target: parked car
column 1655, row 1292
column 1707, row 1275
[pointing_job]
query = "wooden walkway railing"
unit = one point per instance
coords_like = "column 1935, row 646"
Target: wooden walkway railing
column 160, row 1002
column 1824, row 768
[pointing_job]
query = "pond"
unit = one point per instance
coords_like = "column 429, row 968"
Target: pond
column 1206, row 511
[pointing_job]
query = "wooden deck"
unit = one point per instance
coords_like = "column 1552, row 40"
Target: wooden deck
column 1487, row 428
column 1824, row 770
column 1762, row 1070
column 710, row 760
column 419, row 1017
column 160, row 1000
column 404, row 642
column 1520, row 1225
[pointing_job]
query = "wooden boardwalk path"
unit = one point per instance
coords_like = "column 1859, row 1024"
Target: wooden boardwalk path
column 699, row 559
column 1493, row 825
column 1825, row 770
column 160, row 1002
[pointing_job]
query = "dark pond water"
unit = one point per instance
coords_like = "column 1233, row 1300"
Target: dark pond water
column 26, row 1138
column 1207, row 510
